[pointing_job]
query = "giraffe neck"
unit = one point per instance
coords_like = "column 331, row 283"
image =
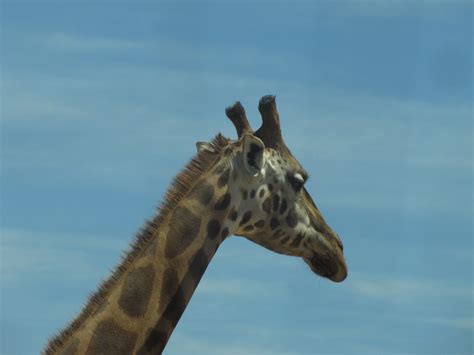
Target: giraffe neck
column 142, row 306
column 181, row 275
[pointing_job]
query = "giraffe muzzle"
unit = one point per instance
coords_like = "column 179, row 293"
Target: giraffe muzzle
column 332, row 267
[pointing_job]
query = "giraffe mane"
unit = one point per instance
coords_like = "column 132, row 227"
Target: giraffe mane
column 180, row 186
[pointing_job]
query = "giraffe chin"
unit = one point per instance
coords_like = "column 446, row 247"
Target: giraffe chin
column 328, row 267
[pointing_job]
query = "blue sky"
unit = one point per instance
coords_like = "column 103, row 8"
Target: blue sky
column 102, row 102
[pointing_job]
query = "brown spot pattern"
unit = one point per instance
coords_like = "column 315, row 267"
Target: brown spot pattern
column 233, row 215
column 155, row 341
column 158, row 338
column 267, row 205
column 213, row 228
column 291, row 219
column 198, row 266
column 183, row 230
column 176, row 307
column 276, row 202
column 260, row 223
column 245, row 218
column 223, row 179
column 225, row 233
column 223, row 202
column 168, row 286
column 274, row 223
column 136, row 291
column 203, row 193
column 283, row 206
column 109, row 338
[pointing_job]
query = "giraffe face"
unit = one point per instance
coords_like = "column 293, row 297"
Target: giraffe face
column 272, row 208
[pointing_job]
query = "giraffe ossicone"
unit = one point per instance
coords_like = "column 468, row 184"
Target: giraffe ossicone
column 251, row 187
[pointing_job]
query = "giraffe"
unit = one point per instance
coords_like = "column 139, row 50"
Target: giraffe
column 251, row 187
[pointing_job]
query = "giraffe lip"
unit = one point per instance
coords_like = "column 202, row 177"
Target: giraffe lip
column 324, row 266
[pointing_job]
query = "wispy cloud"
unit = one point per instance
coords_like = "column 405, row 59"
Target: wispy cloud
column 367, row 137
column 40, row 108
column 402, row 290
column 47, row 256
column 361, row 107
column 74, row 42
column 372, row 128
column 404, row 143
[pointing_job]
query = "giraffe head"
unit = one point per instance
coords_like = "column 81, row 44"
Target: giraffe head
column 271, row 206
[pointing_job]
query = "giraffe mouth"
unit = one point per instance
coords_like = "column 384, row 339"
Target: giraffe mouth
column 328, row 267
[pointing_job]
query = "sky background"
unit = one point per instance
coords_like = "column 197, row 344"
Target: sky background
column 102, row 103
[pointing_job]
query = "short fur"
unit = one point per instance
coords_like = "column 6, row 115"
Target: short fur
column 180, row 186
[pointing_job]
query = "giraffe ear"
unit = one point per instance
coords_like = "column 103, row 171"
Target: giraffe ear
column 200, row 146
column 253, row 149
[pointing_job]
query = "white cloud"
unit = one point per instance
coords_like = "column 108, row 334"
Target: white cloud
column 37, row 107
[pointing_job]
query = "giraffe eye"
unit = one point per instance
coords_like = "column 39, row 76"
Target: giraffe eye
column 297, row 181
